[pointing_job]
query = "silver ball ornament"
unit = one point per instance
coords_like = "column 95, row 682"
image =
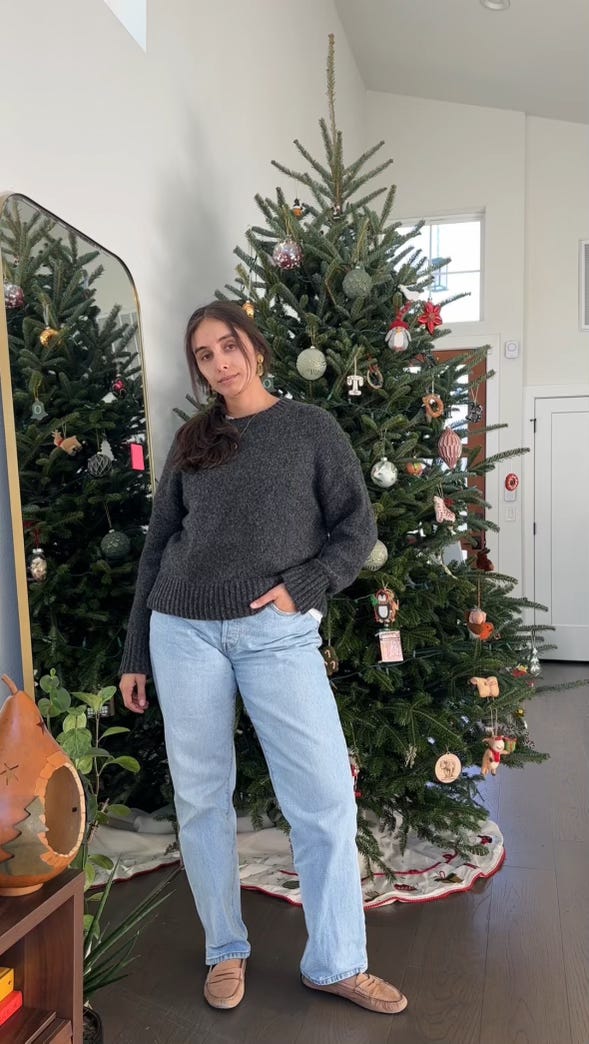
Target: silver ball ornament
column 13, row 295
column 99, row 465
column 311, row 364
column 534, row 668
column 357, row 283
column 384, row 473
column 115, row 545
column 38, row 565
column 377, row 557
column 287, row 254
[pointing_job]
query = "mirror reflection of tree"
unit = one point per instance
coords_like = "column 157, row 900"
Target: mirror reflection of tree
column 81, row 443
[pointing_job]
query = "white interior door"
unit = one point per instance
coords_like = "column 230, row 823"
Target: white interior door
column 561, row 513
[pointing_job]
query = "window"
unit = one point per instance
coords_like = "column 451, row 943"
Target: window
column 133, row 15
column 460, row 239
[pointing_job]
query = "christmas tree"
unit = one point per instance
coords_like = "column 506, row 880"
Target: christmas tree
column 80, row 431
column 429, row 658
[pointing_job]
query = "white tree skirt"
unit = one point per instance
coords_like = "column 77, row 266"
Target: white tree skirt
column 422, row 873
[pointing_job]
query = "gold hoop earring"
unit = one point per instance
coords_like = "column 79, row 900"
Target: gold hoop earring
column 260, row 366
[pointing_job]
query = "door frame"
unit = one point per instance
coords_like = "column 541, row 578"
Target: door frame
column 531, row 394
column 469, row 342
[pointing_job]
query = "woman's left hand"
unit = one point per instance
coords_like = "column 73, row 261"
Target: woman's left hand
column 280, row 596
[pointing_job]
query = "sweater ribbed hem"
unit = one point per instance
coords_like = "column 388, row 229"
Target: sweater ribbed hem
column 306, row 585
column 217, row 600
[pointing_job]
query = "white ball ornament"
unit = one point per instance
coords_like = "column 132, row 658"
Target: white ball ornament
column 384, row 473
column 311, row 364
column 377, row 557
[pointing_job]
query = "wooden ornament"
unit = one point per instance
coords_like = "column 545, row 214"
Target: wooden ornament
column 447, row 768
column 391, row 650
column 374, row 377
column 386, row 606
column 433, row 405
column 331, row 661
column 487, row 687
column 71, row 446
column 443, row 513
column 42, row 807
column 450, row 447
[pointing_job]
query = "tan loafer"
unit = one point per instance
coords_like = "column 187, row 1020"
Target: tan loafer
column 225, row 983
column 366, row 990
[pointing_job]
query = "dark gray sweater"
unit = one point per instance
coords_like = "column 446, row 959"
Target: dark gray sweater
column 290, row 506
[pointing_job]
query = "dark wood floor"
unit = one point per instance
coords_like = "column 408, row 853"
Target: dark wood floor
column 507, row 963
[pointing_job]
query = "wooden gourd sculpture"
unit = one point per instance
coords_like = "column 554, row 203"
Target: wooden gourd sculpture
column 42, row 807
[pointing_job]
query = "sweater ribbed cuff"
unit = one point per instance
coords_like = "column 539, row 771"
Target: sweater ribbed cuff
column 136, row 654
column 306, row 584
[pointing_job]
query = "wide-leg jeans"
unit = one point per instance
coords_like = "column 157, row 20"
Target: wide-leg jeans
column 274, row 660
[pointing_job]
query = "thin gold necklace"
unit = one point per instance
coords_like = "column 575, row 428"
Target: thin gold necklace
column 252, row 418
column 243, row 430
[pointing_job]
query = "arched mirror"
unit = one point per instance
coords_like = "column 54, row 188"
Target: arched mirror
column 77, row 443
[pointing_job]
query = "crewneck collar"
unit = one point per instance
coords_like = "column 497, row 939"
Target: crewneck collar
column 248, row 416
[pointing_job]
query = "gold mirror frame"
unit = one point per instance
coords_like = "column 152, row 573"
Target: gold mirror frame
column 6, row 390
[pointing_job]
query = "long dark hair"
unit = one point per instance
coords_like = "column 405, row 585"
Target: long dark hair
column 209, row 439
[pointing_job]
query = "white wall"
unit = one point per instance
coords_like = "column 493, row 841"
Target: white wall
column 453, row 158
column 557, row 217
column 157, row 155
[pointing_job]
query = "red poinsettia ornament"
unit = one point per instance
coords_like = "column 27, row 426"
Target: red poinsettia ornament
column 430, row 317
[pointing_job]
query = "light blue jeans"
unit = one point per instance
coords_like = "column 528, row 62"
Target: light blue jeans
column 273, row 658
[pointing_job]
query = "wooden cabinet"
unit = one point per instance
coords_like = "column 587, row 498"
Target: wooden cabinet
column 41, row 937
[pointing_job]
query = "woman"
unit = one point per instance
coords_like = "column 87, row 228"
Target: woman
column 260, row 513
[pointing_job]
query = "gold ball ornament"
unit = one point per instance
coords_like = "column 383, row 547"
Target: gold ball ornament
column 47, row 336
column 249, row 309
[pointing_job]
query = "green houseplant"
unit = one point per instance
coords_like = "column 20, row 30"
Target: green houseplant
column 78, row 724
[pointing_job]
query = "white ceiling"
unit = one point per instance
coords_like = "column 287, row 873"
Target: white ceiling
column 533, row 57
